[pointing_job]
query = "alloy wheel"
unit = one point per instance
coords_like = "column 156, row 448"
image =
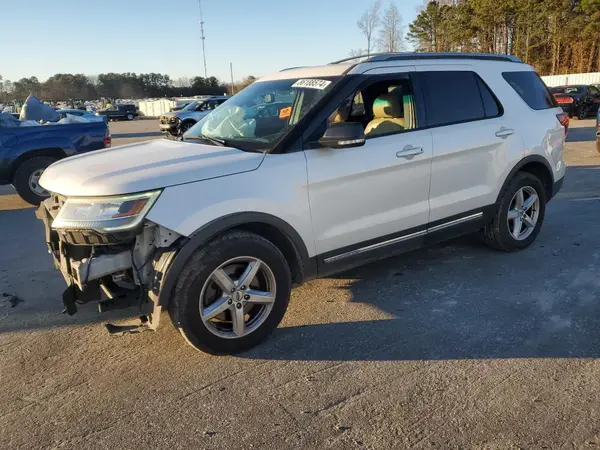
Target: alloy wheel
column 34, row 183
column 237, row 297
column 523, row 213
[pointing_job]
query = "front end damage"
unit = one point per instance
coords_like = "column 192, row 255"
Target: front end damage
column 116, row 269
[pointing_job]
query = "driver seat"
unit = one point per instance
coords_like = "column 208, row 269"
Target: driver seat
column 388, row 116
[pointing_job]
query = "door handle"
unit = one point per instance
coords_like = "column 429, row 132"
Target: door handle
column 409, row 151
column 504, row 132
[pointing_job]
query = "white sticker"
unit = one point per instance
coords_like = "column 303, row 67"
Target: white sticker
column 311, row 83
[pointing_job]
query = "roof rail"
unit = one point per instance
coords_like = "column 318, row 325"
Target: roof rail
column 379, row 57
column 291, row 68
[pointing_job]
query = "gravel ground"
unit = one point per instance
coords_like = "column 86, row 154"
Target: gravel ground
column 453, row 346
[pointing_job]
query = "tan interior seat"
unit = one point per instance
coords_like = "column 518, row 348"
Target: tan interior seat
column 388, row 116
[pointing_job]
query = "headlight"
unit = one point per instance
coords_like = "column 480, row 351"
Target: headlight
column 105, row 213
column 174, row 119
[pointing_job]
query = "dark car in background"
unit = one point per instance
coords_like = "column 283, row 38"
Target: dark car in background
column 578, row 101
column 119, row 112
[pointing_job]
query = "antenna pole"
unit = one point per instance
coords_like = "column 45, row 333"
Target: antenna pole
column 203, row 38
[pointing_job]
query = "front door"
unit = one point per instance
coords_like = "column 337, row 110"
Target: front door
column 366, row 201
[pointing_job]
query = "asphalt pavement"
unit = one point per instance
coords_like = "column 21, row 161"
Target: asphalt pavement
column 455, row 346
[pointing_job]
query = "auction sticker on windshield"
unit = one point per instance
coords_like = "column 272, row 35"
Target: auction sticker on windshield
column 311, row 83
column 284, row 113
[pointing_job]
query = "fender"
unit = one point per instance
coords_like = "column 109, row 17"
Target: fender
column 520, row 165
column 217, row 226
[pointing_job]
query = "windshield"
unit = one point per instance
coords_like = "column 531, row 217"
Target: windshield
column 258, row 117
column 190, row 106
column 567, row 90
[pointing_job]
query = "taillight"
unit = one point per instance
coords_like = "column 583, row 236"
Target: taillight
column 107, row 138
column 564, row 121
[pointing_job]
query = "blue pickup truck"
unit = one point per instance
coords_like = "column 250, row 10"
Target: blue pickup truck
column 25, row 151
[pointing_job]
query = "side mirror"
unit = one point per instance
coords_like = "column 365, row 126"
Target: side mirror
column 343, row 135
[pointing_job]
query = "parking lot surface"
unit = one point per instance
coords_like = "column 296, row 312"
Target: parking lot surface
column 453, row 346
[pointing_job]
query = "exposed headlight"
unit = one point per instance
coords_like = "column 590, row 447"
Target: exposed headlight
column 105, row 213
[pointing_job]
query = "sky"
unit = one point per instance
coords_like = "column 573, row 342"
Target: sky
column 257, row 36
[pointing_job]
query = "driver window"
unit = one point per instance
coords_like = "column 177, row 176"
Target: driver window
column 383, row 107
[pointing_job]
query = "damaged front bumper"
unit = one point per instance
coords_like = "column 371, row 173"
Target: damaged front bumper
column 116, row 269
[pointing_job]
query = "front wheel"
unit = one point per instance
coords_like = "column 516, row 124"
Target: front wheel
column 186, row 126
column 231, row 294
column 27, row 178
column 129, row 116
column 519, row 216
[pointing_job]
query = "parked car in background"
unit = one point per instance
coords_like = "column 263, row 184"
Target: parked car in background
column 26, row 151
column 217, row 228
column 578, row 101
column 82, row 113
column 178, row 122
column 180, row 104
column 119, row 112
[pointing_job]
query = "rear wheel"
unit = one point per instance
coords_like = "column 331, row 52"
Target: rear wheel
column 520, row 214
column 581, row 113
column 232, row 293
column 27, row 177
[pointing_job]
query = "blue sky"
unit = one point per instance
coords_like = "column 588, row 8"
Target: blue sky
column 257, row 36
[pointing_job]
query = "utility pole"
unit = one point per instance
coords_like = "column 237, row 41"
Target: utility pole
column 203, row 38
column 232, row 85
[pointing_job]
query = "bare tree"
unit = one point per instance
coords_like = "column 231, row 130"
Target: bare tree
column 368, row 23
column 356, row 52
column 93, row 79
column 391, row 35
column 182, row 82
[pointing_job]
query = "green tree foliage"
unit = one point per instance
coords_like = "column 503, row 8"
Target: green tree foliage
column 66, row 86
column 555, row 36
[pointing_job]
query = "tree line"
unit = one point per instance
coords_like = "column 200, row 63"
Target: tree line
column 555, row 36
column 63, row 87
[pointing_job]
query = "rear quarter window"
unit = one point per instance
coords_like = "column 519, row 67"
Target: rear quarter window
column 531, row 89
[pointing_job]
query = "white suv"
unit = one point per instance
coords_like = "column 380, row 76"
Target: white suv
column 305, row 173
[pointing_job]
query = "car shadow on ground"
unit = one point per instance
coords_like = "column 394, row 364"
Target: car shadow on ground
column 453, row 301
column 583, row 134
column 136, row 135
column 462, row 300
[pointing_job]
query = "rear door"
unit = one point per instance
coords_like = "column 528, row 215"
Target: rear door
column 471, row 137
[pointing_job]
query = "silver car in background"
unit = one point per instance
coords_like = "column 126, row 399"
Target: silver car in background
column 178, row 122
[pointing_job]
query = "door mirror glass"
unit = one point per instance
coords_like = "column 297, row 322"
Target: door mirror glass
column 343, row 135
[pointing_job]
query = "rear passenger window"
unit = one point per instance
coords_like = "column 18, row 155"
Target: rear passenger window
column 531, row 88
column 453, row 97
column 490, row 104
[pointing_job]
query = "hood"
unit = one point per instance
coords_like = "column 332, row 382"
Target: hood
column 144, row 166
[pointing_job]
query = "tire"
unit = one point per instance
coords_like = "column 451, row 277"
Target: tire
column 581, row 113
column 185, row 126
column 498, row 234
column 129, row 116
column 194, row 286
column 23, row 175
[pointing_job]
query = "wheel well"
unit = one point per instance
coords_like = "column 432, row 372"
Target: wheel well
column 57, row 153
column 541, row 171
column 282, row 242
